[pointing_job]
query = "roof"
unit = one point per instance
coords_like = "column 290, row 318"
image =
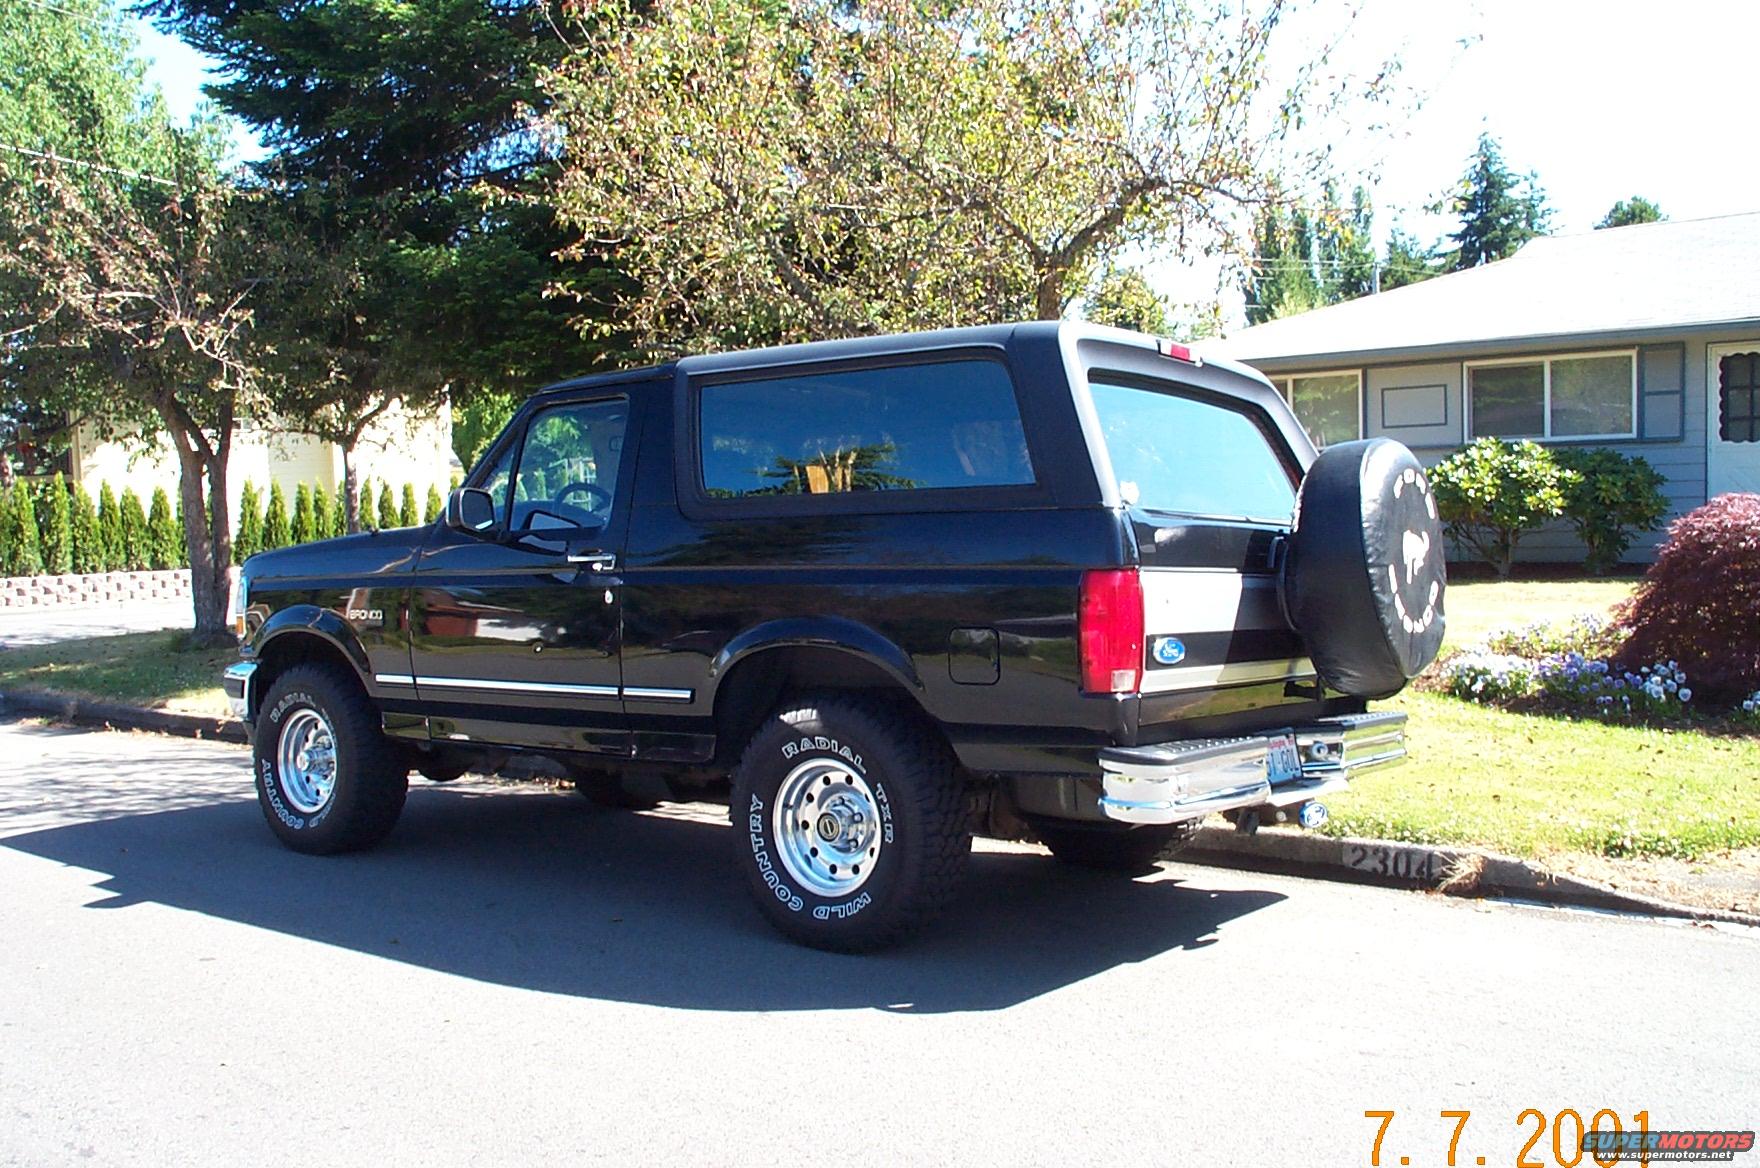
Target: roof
column 1621, row 280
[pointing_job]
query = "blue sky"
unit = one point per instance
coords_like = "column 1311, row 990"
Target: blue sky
column 1604, row 98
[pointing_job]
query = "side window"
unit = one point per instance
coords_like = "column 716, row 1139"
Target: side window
column 567, row 473
column 903, row 428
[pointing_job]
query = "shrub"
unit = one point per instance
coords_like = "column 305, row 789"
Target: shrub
column 436, row 506
column 320, row 503
column 1585, row 633
column 1698, row 602
column 277, row 531
column 57, row 527
column 364, row 514
column 407, row 515
column 1492, row 493
column 300, row 525
column 337, row 524
column 109, row 529
column 1611, row 498
column 249, row 540
column 24, row 555
column 387, row 508
column 88, row 548
column 134, row 531
column 164, row 541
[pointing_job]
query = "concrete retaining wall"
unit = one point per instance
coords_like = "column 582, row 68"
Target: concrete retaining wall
column 98, row 588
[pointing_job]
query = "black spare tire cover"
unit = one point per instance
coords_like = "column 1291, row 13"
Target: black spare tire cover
column 1364, row 576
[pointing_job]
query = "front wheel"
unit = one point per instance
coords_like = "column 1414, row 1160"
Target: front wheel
column 327, row 778
column 851, row 822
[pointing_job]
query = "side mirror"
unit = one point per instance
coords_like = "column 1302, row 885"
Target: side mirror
column 471, row 510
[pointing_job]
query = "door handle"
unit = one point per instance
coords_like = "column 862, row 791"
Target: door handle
column 597, row 561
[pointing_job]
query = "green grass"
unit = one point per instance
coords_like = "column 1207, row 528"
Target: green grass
column 1535, row 785
column 160, row 670
column 1475, row 610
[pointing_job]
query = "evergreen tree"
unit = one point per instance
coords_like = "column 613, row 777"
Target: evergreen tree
column 1498, row 209
column 1308, row 257
column 57, row 527
column 134, row 531
column 364, row 518
column 109, row 529
column 338, row 523
column 24, row 555
column 1408, row 261
column 249, row 540
column 387, row 507
column 436, row 506
column 320, row 511
column 301, row 528
column 1630, row 212
column 407, row 515
column 88, row 548
column 164, row 536
column 277, row 531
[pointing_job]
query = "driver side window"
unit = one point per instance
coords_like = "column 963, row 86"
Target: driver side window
column 568, row 466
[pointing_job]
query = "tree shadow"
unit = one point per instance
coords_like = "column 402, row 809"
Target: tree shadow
column 539, row 890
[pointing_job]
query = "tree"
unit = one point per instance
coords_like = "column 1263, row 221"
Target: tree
column 1122, row 298
column 1630, row 212
column 163, row 538
column 1498, row 209
column 124, row 266
column 388, row 517
column 769, row 171
column 303, row 529
column 109, row 529
column 88, row 546
column 407, row 515
column 20, row 537
column 338, row 519
column 277, row 531
column 477, row 422
column 57, row 524
column 134, row 531
column 435, row 507
column 1408, row 261
column 1309, row 257
column 250, row 523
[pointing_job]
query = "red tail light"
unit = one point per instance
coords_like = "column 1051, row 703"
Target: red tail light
column 1111, row 630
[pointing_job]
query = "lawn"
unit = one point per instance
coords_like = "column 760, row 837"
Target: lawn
column 160, row 670
column 1474, row 610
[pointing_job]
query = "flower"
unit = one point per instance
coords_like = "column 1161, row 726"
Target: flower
column 1685, row 694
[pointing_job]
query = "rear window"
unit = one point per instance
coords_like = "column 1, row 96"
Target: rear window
column 902, row 428
column 1191, row 456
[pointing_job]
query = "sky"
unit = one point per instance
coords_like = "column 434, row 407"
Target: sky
column 1604, row 99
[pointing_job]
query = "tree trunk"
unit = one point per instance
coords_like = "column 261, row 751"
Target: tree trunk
column 1049, row 304
column 207, row 531
column 351, row 490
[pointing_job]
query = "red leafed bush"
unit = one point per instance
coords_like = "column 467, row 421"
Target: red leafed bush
column 1699, row 603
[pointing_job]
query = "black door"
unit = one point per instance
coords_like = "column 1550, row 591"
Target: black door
column 515, row 632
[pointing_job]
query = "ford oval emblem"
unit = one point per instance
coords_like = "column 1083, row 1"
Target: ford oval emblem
column 1169, row 650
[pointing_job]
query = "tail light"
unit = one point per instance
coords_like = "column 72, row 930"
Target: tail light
column 1110, row 628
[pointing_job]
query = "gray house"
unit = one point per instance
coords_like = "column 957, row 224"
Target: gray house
column 1643, row 339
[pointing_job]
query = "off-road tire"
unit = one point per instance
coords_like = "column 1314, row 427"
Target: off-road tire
column 371, row 778
column 921, row 820
column 1106, row 848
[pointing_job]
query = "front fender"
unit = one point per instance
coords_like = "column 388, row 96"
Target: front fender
column 323, row 623
column 822, row 633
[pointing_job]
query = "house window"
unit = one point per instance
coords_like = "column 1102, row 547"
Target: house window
column 1328, row 405
column 1592, row 395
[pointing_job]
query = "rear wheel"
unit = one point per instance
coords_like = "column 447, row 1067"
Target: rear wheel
column 851, row 820
column 328, row 780
column 1110, row 848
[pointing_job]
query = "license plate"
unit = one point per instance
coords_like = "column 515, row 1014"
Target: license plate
column 1282, row 763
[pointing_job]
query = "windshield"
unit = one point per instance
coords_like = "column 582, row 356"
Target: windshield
column 1191, row 456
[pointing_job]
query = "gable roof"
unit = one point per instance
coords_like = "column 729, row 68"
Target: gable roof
column 1653, row 276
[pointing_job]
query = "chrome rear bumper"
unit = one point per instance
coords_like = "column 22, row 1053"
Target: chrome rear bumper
column 1175, row 781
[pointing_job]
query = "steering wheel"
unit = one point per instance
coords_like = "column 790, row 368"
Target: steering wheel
column 598, row 497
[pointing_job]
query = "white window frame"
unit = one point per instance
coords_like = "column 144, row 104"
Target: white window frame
column 1545, row 362
column 1284, row 383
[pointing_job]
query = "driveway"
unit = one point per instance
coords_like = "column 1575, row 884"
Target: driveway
column 517, row 977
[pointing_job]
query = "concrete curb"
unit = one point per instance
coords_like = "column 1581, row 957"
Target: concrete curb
column 1451, row 870
column 1456, row 871
column 94, row 712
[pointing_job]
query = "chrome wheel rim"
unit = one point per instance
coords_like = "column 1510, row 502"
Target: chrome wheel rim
column 305, row 758
column 826, row 823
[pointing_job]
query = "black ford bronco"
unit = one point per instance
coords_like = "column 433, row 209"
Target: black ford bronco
column 1041, row 581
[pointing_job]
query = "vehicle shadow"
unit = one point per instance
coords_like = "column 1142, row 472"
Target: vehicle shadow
column 537, row 889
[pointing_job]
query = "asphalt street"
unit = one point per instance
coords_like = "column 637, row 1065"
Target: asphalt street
column 41, row 626
column 517, row 977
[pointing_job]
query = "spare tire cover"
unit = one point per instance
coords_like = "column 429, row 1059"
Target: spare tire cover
column 1364, row 577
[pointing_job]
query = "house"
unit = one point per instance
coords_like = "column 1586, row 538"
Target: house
column 1642, row 339
column 398, row 448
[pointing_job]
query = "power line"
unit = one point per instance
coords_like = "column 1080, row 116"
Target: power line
column 98, row 166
